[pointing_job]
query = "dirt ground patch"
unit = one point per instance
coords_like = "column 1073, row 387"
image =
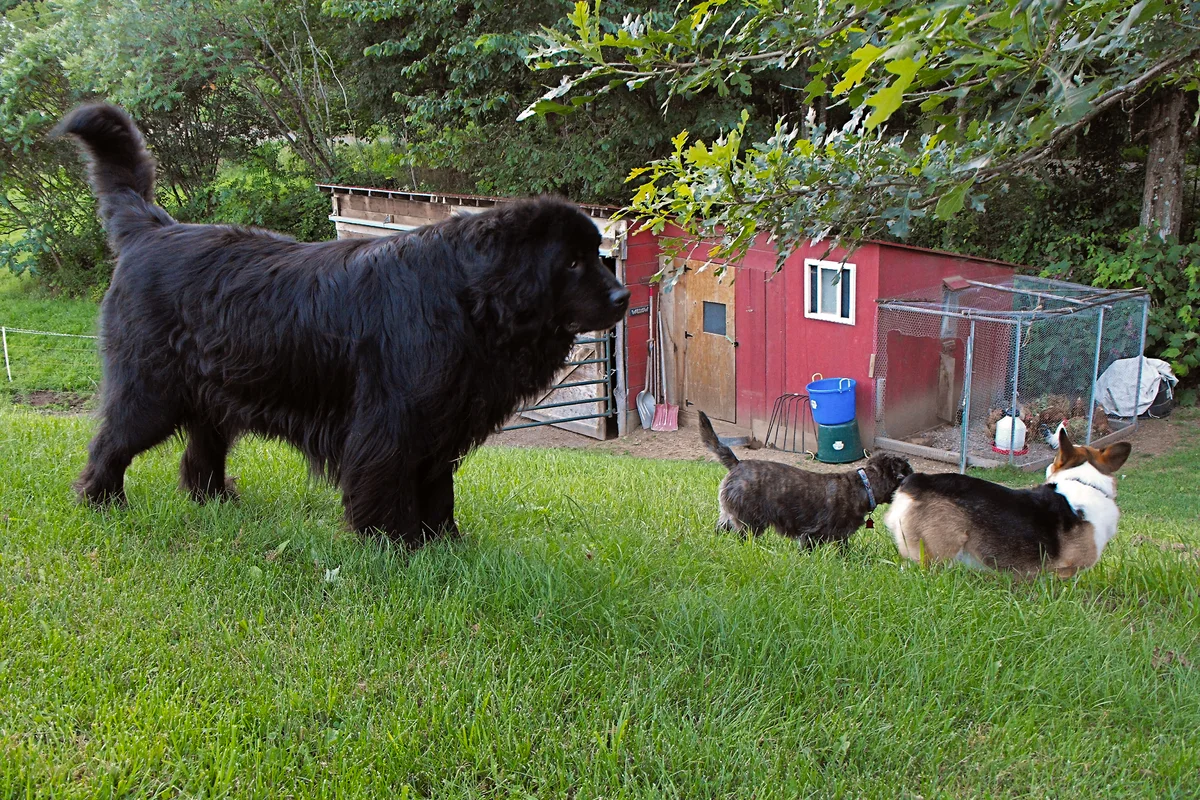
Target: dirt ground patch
column 681, row 445
column 1157, row 436
column 55, row 402
column 1153, row 437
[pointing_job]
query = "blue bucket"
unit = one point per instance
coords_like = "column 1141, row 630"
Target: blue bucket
column 831, row 399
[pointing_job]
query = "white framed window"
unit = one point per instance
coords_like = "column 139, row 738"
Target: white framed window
column 829, row 291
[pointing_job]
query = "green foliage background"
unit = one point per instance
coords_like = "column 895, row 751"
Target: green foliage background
column 248, row 105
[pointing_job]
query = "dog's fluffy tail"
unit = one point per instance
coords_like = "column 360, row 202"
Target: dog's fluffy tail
column 709, row 437
column 121, row 169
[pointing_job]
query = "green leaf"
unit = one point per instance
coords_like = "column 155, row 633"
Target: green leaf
column 1121, row 32
column 863, row 58
column 952, row 202
column 933, row 102
column 543, row 107
column 1075, row 99
column 815, row 88
column 581, row 19
column 645, row 192
column 887, row 101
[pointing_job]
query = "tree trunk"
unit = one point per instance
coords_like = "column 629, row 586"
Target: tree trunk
column 1169, row 133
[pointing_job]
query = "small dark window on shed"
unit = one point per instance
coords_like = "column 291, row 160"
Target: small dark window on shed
column 714, row 318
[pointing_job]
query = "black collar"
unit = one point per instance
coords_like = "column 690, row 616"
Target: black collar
column 862, row 473
column 1104, row 490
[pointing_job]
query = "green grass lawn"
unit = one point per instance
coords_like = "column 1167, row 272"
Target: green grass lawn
column 46, row 363
column 590, row 636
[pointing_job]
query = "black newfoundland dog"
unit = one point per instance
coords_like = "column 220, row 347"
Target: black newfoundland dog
column 384, row 361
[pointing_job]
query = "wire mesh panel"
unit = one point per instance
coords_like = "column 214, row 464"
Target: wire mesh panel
column 956, row 365
column 918, row 374
column 49, row 367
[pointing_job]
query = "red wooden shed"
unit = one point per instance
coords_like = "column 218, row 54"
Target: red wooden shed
column 739, row 344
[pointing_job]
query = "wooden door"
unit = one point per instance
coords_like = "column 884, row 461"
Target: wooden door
column 710, row 378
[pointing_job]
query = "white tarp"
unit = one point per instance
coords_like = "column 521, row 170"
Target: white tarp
column 1116, row 388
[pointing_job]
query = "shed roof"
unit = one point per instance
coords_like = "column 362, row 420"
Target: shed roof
column 446, row 198
column 598, row 210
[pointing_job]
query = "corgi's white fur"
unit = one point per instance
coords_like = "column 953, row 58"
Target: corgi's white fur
column 1093, row 496
column 894, row 521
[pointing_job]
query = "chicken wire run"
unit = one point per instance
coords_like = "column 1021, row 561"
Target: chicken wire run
column 952, row 361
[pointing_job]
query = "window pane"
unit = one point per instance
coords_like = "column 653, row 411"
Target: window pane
column 714, row 318
column 829, row 291
column 813, row 289
column 847, row 300
column 949, row 324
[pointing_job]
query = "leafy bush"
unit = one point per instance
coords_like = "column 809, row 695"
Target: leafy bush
column 378, row 160
column 63, row 244
column 272, row 189
column 206, row 82
column 1052, row 219
column 48, row 226
column 1170, row 272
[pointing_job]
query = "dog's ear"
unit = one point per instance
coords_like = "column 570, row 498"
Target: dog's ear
column 1067, row 456
column 510, row 279
column 1111, row 458
column 891, row 467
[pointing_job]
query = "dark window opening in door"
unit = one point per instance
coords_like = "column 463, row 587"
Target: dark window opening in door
column 714, row 318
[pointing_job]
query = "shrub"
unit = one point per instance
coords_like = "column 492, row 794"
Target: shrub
column 1170, row 272
column 48, row 226
column 272, row 190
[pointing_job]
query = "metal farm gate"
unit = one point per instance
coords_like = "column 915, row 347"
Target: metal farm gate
column 582, row 398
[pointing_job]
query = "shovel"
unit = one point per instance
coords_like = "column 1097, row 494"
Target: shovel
column 666, row 416
column 645, row 399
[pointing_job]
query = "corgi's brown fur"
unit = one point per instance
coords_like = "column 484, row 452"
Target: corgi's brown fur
column 1062, row 525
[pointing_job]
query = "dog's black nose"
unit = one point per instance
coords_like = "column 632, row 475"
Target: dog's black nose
column 619, row 298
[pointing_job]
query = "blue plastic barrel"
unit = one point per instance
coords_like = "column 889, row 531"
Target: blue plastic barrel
column 832, row 400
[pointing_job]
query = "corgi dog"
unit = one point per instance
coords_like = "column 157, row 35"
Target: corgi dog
column 1062, row 525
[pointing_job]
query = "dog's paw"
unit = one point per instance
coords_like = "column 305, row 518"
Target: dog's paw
column 229, row 493
column 95, row 496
